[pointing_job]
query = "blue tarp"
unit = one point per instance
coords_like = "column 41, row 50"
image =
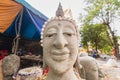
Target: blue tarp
column 31, row 25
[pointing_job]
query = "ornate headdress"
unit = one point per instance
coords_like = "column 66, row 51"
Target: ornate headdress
column 59, row 17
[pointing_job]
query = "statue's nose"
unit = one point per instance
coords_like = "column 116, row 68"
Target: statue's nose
column 60, row 41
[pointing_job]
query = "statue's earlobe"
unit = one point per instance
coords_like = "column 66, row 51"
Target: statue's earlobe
column 80, row 68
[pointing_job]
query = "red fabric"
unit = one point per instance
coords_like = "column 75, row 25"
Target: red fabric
column 46, row 71
column 3, row 54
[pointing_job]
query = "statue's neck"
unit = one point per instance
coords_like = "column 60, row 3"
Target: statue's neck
column 69, row 75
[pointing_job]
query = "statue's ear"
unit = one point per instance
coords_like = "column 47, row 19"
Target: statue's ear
column 82, row 72
column 80, row 68
column 101, row 73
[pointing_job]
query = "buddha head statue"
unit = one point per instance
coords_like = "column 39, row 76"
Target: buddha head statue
column 60, row 40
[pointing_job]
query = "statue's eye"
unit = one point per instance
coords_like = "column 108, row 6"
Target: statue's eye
column 50, row 35
column 51, row 32
column 68, row 34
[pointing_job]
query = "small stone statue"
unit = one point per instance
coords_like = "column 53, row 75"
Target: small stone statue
column 60, row 40
column 90, row 69
column 10, row 65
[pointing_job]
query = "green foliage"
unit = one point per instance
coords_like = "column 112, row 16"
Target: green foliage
column 96, row 35
column 99, row 12
column 104, row 10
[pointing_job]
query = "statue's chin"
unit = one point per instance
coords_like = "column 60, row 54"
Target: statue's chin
column 60, row 70
column 60, row 67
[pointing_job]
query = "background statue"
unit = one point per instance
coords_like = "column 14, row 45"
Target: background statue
column 60, row 40
column 10, row 65
column 89, row 69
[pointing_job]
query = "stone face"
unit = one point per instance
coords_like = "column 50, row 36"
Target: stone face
column 60, row 40
column 60, row 48
column 10, row 65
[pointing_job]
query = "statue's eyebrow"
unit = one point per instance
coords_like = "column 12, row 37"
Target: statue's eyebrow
column 50, row 27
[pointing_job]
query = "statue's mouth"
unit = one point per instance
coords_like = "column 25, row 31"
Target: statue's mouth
column 58, row 55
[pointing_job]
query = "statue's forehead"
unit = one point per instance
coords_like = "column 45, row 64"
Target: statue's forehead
column 58, row 22
column 62, row 24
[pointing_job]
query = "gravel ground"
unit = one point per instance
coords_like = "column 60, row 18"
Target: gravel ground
column 112, row 73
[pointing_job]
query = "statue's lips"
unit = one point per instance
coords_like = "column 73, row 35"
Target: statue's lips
column 60, row 55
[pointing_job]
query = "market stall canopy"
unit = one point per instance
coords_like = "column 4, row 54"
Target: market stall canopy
column 11, row 11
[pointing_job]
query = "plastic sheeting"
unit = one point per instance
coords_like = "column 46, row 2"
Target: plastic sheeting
column 8, row 11
column 31, row 24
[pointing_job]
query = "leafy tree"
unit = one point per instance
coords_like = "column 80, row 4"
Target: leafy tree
column 105, row 12
column 95, row 35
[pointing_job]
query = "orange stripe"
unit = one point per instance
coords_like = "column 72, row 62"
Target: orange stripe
column 8, row 11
